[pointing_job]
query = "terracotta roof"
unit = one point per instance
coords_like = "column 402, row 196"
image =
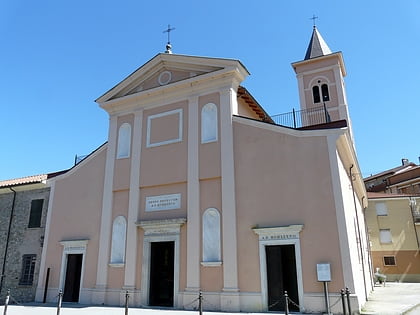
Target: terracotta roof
column 377, row 195
column 391, row 171
column 29, row 179
column 413, row 173
column 253, row 104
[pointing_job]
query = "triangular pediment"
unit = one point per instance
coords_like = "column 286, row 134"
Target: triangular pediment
column 164, row 70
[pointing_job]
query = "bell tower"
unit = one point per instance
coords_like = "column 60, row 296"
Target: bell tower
column 321, row 80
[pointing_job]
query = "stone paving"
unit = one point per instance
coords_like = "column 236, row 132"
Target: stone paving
column 95, row 310
column 393, row 299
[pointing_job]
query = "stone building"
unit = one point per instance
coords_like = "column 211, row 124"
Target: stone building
column 198, row 189
column 23, row 214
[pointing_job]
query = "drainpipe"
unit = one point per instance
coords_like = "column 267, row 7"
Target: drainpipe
column 358, row 231
column 2, row 275
column 412, row 203
column 368, row 245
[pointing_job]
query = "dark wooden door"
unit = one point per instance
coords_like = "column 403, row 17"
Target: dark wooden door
column 281, row 276
column 73, row 274
column 161, row 274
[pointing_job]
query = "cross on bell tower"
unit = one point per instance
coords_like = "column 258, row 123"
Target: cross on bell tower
column 313, row 18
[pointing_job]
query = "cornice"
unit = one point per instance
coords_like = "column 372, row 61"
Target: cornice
column 335, row 55
column 218, row 80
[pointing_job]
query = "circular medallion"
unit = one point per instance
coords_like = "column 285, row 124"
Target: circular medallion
column 165, row 77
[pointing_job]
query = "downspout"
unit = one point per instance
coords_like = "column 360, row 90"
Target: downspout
column 358, row 231
column 368, row 245
column 412, row 203
column 2, row 275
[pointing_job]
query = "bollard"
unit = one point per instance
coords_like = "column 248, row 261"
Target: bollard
column 286, row 308
column 343, row 301
column 200, row 303
column 60, row 299
column 348, row 300
column 6, row 302
column 127, row 296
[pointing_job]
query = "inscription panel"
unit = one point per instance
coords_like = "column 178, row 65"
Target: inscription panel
column 163, row 202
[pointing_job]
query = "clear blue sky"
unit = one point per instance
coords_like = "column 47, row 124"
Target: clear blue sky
column 57, row 57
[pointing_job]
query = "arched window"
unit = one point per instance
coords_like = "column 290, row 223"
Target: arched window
column 209, row 123
column 211, row 236
column 124, row 141
column 315, row 93
column 119, row 228
column 325, row 93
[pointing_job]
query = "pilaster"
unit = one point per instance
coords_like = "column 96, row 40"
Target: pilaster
column 193, row 200
column 301, row 89
column 98, row 296
column 41, row 279
column 133, row 203
column 230, row 265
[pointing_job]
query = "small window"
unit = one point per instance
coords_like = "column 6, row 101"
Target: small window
column 389, row 261
column 209, row 123
column 124, row 141
column 36, row 213
column 381, row 209
column 385, row 236
column 325, row 93
column 315, row 93
column 28, row 269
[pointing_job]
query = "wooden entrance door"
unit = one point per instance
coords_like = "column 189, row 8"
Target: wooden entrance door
column 161, row 274
column 73, row 275
column 281, row 276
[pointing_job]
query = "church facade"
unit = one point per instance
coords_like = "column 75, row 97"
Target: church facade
column 197, row 189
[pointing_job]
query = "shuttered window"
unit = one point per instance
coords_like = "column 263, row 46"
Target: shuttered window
column 36, row 213
column 389, row 261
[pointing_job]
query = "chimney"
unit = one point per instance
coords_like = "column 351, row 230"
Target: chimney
column 404, row 161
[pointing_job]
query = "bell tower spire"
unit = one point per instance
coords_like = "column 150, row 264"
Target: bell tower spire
column 317, row 46
column 321, row 79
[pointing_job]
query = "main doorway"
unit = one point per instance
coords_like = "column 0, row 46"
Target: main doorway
column 161, row 291
column 281, row 276
column 72, row 279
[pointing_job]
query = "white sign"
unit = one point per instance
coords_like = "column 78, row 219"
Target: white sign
column 163, row 202
column 323, row 272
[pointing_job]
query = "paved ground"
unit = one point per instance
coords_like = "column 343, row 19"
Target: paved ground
column 91, row 310
column 393, row 299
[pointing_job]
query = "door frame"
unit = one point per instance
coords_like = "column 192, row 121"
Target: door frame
column 160, row 231
column 284, row 235
column 72, row 247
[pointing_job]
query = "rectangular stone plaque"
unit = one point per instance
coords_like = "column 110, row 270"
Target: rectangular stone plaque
column 163, row 202
column 323, row 272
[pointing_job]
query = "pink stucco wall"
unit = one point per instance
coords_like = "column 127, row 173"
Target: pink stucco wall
column 76, row 214
column 282, row 180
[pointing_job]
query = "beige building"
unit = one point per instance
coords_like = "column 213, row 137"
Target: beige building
column 394, row 228
column 198, row 189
